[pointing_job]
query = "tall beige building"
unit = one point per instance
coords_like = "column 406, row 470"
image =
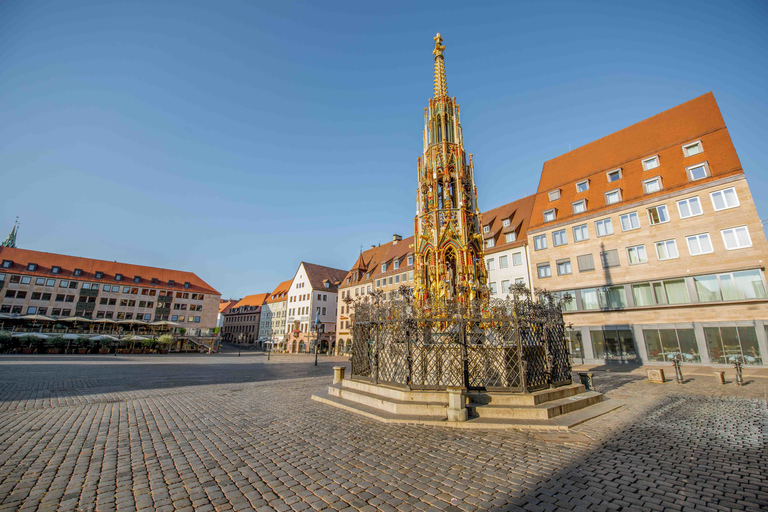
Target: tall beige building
column 654, row 232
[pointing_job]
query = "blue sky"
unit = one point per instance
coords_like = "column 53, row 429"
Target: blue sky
column 236, row 139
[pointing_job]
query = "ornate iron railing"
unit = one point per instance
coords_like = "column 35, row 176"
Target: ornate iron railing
column 516, row 344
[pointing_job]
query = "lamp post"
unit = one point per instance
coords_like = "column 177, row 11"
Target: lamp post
column 317, row 334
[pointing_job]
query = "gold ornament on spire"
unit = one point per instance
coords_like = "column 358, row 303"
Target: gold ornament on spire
column 441, row 89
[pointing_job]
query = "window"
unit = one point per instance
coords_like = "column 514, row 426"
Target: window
column 652, row 185
column 490, row 243
column 505, row 223
column 26, row 280
column 520, row 280
column 699, row 244
column 410, row 260
column 505, row 286
column 613, row 197
column 630, row 221
column 667, row 344
column 564, row 267
column 604, row 227
column 724, row 199
column 579, row 206
column 693, row 148
column 31, row 267
column 736, row 238
column 582, row 186
column 31, row 310
column 610, row 258
column 7, row 263
column 493, row 288
column 586, row 262
column 136, row 279
column 55, row 270
column 517, row 259
column 636, row 255
column 549, row 215
column 697, row 172
column 383, row 267
column 559, row 238
column 544, row 270
column 658, row 215
column 540, row 242
column 650, row 163
column 491, row 264
column 396, row 264
column 486, row 229
column 726, row 344
column 689, row 207
column 186, row 284
column 580, row 233
column 666, row 249
column 50, row 282
column 40, row 281
column 99, row 275
column 503, row 262
column 510, row 237
column 613, row 175
column 410, row 275
column 118, row 277
column 554, row 195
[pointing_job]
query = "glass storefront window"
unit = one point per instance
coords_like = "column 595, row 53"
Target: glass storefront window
column 725, row 344
column 614, row 345
column 665, row 344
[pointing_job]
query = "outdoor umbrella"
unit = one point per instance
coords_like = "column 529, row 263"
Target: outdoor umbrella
column 75, row 319
column 24, row 334
column 131, row 322
column 104, row 337
column 37, row 318
column 166, row 323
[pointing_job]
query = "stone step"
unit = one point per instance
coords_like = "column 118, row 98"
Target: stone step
column 522, row 399
column 391, row 405
column 542, row 411
column 394, row 393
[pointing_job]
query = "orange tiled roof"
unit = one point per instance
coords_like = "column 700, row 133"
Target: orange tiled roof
column 46, row 260
column 662, row 135
column 226, row 305
column 252, row 300
column 375, row 256
column 519, row 215
column 280, row 293
column 318, row 275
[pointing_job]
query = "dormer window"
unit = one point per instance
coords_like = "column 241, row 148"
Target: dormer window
column 505, row 223
column 7, row 263
column 397, row 264
column 186, row 284
column 31, row 267
column 55, row 270
column 171, row 282
column 579, row 206
column 614, row 175
column 554, row 195
column 650, row 163
column 410, row 260
column 486, row 229
column 549, row 215
column 368, row 275
column 118, row 277
column 78, row 272
column 153, row 280
column 136, row 279
column 383, row 267
column 582, row 186
column 612, row 197
column 327, row 284
column 693, row 148
column 99, row 274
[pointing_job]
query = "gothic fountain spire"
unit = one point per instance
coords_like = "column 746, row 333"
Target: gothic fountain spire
column 441, row 87
column 11, row 240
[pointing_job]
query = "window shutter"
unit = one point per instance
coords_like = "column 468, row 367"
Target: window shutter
column 586, row 262
column 610, row 258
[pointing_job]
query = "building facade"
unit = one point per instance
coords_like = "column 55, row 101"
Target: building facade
column 273, row 315
column 654, row 232
column 242, row 321
column 313, row 295
column 60, row 286
column 506, row 246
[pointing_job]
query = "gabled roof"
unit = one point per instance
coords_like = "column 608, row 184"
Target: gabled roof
column 375, row 256
column 280, row 293
column 252, row 300
column 226, row 305
column 661, row 135
column 519, row 215
column 318, row 275
column 46, row 260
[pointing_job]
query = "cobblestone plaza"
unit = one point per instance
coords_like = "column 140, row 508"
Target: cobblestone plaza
column 224, row 432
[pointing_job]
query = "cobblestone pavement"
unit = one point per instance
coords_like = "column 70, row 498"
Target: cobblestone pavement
column 224, row 432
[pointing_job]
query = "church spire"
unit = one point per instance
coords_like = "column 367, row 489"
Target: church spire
column 441, row 88
column 11, row 240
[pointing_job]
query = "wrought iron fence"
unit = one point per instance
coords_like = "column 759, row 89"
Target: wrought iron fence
column 514, row 344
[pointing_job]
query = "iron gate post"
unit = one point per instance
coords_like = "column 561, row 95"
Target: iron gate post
column 464, row 356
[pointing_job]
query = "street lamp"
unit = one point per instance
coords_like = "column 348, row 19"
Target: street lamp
column 317, row 334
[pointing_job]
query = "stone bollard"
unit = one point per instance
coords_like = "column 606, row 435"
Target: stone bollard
column 457, row 406
column 338, row 374
column 720, row 377
column 586, row 379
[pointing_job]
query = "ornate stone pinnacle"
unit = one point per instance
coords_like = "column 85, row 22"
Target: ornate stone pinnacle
column 441, row 89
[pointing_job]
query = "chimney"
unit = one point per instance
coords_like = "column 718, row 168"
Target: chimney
column 373, row 246
column 395, row 239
